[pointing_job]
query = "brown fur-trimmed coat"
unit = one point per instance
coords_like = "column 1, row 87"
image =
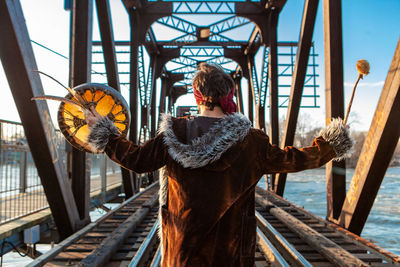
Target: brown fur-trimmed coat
column 207, row 192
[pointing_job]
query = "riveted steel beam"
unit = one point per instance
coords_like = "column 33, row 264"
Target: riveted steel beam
column 18, row 61
column 334, row 99
column 81, row 52
column 299, row 74
column 107, row 42
column 376, row 153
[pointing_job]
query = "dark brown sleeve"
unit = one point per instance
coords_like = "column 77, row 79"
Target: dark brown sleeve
column 291, row 159
column 146, row 158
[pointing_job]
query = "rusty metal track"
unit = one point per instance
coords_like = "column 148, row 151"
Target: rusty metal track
column 119, row 231
column 366, row 255
column 127, row 236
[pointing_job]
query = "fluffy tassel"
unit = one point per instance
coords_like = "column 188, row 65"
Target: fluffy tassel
column 100, row 134
column 338, row 136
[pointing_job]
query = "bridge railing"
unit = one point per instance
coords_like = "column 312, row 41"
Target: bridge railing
column 21, row 191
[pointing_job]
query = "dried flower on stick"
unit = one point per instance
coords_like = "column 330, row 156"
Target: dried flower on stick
column 363, row 69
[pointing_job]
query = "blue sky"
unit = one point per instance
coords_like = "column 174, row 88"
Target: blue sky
column 370, row 31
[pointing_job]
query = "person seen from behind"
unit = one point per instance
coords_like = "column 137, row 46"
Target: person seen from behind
column 211, row 165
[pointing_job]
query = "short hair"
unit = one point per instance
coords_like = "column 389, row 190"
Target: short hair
column 212, row 81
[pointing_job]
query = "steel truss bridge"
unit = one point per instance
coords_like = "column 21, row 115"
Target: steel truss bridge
column 167, row 41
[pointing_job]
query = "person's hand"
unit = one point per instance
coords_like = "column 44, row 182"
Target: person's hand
column 92, row 116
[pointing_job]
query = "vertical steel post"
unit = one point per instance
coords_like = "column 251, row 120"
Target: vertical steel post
column 299, row 74
column 133, row 89
column 110, row 60
column 376, row 153
column 239, row 98
column 250, row 65
column 103, row 177
column 107, row 42
column 273, row 76
column 22, row 171
column 250, row 105
column 18, row 61
column 273, row 91
column 334, row 95
column 81, row 60
column 163, row 94
column 153, row 97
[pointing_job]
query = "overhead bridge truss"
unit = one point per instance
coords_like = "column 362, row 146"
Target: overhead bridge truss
column 152, row 69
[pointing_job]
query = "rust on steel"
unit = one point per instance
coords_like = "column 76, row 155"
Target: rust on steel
column 66, row 243
column 273, row 76
column 334, row 99
column 110, row 244
column 258, row 109
column 333, row 252
column 273, row 86
column 254, row 107
column 107, row 42
column 153, row 62
column 18, row 61
column 80, row 72
column 299, row 74
column 376, row 153
column 133, row 91
column 237, row 77
column 356, row 239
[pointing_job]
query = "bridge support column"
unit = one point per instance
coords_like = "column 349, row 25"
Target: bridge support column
column 259, row 121
column 334, row 98
column 273, row 91
column 250, row 105
column 81, row 61
column 237, row 78
column 110, row 59
column 18, row 61
column 376, row 153
column 133, row 89
column 163, row 93
column 299, row 74
column 155, row 72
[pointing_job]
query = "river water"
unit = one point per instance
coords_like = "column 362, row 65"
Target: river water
column 308, row 189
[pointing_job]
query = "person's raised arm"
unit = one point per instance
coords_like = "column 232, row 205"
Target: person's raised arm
column 334, row 143
column 105, row 137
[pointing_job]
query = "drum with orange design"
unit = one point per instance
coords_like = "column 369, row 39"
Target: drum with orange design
column 107, row 102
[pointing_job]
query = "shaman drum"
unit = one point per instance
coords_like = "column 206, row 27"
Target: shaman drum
column 107, row 102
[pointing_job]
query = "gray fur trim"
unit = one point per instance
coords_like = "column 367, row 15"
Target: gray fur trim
column 163, row 191
column 338, row 136
column 209, row 147
column 100, row 133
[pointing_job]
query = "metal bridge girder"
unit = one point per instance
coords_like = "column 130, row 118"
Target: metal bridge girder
column 18, row 61
column 81, row 51
column 111, row 66
column 376, row 153
column 334, row 100
column 201, row 7
column 299, row 74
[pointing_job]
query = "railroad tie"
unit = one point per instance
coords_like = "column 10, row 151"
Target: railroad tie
column 333, row 252
column 109, row 246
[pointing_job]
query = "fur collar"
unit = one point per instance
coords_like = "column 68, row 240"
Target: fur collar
column 209, row 147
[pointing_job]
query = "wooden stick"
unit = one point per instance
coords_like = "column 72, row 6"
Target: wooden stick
column 351, row 100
